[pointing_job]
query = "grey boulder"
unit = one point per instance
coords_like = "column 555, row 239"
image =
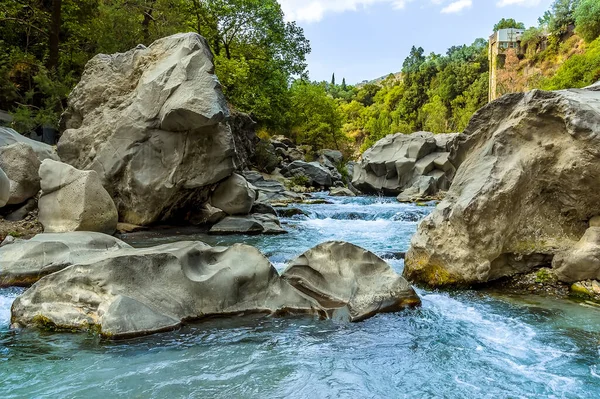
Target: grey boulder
column 74, row 200
column 349, row 282
column 582, row 261
column 234, row 196
column 21, row 165
column 402, row 164
column 24, row 262
column 133, row 292
column 341, row 192
column 153, row 123
column 527, row 185
column 317, row 173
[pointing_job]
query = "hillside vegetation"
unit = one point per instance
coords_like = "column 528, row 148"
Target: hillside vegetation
column 261, row 62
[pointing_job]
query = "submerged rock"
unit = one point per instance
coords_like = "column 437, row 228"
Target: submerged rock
column 341, row 192
column 74, row 200
column 153, row 123
column 414, row 166
column 527, row 185
column 251, row 225
column 22, row 263
column 349, row 282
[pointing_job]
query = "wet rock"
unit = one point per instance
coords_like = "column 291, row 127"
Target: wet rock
column 134, row 292
column 154, row 124
column 208, row 214
column 341, row 192
column 21, row 164
column 74, row 200
column 250, row 225
column 24, row 262
column 400, row 164
column 234, row 196
column 349, row 282
column 528, row 182
column 264, row 208
column 270, row 191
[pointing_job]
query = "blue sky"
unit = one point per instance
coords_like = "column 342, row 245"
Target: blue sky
column 364, row 39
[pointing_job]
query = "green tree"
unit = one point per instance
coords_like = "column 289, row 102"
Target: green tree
column 344, row 87
column 587, row 19
column 314, row 116
column 507, row 23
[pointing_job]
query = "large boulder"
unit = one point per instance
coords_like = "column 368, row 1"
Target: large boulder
column 135, row 292
column 21, row 165
column 4, row 188
column 318, row 174
column 153, row 123
column 582, row 261
column 270, row 190
column 527, row 185
column 234, row 196
column 22, row 263
column 349, row 282
column 403, row 163
column 43, row 151
column 74, row 200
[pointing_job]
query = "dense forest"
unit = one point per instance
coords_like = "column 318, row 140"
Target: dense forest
column 261, row 62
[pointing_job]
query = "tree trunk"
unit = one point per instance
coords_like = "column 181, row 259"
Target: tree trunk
column 146, row 21
column 54, row 41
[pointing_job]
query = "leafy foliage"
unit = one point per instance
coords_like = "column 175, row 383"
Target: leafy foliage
column 508, row 23
column 587, row 19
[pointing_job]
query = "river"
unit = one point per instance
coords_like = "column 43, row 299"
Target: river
column 459, row 344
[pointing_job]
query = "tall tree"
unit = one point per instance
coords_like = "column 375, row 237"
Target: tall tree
column 54, row 36
column 333, row 80
column 507, row 23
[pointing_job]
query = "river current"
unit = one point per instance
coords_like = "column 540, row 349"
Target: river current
column 462, row 344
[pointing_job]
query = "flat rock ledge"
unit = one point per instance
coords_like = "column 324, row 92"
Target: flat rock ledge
column 133, row 292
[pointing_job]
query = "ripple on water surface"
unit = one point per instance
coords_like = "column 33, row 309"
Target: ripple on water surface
column 458, row 345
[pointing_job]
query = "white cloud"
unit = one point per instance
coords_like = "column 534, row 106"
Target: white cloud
column 314, row 10
column 457, row 6
column 526, row 3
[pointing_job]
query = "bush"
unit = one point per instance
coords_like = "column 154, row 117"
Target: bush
column 587, row 19
column 578, row 71
column 300, row 180
column 265, row 158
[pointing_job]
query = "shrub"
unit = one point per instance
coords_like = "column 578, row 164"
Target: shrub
column 587, row 19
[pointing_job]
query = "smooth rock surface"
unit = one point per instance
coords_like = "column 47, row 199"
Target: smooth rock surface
column 133, row 292
column 74, row 200
column 349, row 282
column 21, row 165
column 234, row 196
column 582, row 261
column 24, row 262
column 400, row 164
column 527, row 185
column 153, row 123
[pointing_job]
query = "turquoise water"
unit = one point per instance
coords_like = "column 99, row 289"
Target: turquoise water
column 457, row 345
